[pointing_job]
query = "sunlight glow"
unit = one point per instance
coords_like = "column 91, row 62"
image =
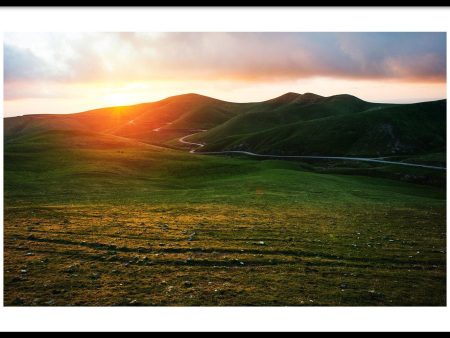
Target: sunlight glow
column 118, row 99
column 71, row 72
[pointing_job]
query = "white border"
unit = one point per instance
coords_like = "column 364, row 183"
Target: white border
column 221, row 319
column 225, row 19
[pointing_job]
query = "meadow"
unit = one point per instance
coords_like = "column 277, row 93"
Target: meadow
column 95, row 219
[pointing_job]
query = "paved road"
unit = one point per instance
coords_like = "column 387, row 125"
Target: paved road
column 361, row 159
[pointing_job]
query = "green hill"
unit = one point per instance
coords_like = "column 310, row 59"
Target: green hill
column 341, row 125
column 293, row 124
column 285, row 110
column 92, row 218
column 171, row 115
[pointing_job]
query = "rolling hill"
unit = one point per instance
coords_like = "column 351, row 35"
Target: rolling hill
column 183, row 111
column 94, row 215
column 377, row 131
column 291, row 124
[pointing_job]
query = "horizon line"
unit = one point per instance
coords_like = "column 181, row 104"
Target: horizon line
column 422, row 100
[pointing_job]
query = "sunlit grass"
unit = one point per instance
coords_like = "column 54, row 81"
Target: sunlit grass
column 101, row 221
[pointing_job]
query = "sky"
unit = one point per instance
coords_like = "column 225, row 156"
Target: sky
column 72, row 72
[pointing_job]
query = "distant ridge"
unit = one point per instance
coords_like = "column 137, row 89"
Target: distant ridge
column 290, row 124
column 292, row 97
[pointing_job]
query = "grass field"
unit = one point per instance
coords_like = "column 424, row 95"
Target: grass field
column 381, row 130
column 92, row 219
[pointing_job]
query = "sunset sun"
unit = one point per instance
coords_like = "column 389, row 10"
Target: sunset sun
column 118, row 99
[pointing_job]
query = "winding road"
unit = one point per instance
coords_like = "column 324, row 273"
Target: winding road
column 198, row 146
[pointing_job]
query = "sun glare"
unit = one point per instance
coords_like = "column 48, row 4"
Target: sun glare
column 118, row 99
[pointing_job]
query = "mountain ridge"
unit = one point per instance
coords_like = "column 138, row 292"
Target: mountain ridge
column 292, row 123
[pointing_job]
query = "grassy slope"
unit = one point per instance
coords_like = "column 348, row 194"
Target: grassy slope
column 189, row 111
column 98, row 120
column 85, row 217
column 285, row 110
column 290, row 124
column 384, row 130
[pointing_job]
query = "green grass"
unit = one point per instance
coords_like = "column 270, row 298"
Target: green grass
column 293, row 124
column 181, row 112
column 317, row 129
column 285, row 110
column 93, row 219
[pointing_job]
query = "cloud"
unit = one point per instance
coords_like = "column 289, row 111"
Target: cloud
column 265, row 56
column 22, row 64
column 250, row 57
column 411, row 56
